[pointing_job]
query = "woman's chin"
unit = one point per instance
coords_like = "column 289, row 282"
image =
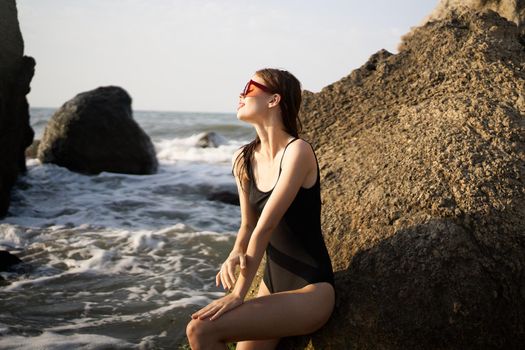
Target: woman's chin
column 246, row 117
column 241, row 117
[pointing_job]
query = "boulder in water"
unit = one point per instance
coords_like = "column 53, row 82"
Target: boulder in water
column 211, row 139
column 225, row 197
column 95, row 132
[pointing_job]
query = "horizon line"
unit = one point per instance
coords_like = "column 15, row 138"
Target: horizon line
column 147, row 110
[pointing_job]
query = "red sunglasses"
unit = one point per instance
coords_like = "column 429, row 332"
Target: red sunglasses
column 247, row 92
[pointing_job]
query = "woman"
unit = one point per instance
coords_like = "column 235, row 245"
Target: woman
column 297, row 294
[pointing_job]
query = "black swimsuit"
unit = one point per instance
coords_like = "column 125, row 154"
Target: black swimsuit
column 296, row 254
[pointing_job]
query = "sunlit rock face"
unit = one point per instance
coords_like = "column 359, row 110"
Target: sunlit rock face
column 422, row 158
column 513, row 10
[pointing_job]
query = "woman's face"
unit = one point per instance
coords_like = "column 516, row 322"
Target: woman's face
column 253, row 105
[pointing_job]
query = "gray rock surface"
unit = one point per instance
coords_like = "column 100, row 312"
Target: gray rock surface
column 227, row 197
column 94, row 132
column 16, row 72
column 211, row 139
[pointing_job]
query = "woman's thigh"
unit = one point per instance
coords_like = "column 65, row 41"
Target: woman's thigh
column 267, row 344
column 289, row 313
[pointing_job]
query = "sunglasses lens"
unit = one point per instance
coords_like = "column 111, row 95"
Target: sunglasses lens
column 251, row 87
column 246, row 89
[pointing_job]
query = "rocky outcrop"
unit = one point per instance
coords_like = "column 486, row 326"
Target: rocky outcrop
column 16, row 72
column 224, row 196
column 513, row 10
column 211, row 139
column 32, row 150
column 94, row 132
column 422, row 158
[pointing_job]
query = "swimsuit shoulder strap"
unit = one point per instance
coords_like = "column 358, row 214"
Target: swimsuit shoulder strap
column 281, row 163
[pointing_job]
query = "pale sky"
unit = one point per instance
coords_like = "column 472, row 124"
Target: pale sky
column 183, row 55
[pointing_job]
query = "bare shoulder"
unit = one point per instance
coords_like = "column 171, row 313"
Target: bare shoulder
column 300, row 147
column 300, row 151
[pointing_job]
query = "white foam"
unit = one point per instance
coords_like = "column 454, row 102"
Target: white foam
column 57, row 198
column 186, row 149
column 88, row 253
column 201, row 300
column 32, row 162
column 146, row 241
column 32, row 281
column 55, row 341
column 12, row 236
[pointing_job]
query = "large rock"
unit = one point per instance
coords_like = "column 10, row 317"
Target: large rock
column 16, row 72
column 513, row 10
column 95, row 132
column 211, row 139
column 422, row 157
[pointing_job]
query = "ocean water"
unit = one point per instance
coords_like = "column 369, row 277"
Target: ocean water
column 116, row 261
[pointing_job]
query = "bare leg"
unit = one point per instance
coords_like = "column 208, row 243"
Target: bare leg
column 295, row 312
column 268, row 344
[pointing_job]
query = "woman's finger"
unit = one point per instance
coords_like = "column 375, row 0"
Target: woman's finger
column 203, row 310
column 197, row 313
column 218, row 313
column 231, row 274
column 218, row 279
column 225, row 278
column 209, row 312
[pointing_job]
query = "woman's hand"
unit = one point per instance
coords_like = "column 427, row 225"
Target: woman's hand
column 218, row 307
column 227, row 273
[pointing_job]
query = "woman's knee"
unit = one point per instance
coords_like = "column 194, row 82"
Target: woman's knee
column 196, row 330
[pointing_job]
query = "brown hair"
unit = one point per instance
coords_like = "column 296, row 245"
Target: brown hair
column 289, row 88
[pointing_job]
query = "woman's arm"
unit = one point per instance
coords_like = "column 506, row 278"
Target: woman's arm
column 298, row 161
column 248, row 216
column 241, row 242
column 226, row 274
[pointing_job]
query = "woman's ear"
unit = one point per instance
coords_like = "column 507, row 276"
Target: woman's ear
column 276, row 98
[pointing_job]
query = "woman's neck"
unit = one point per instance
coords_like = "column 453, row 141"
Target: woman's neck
column 273, row 139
